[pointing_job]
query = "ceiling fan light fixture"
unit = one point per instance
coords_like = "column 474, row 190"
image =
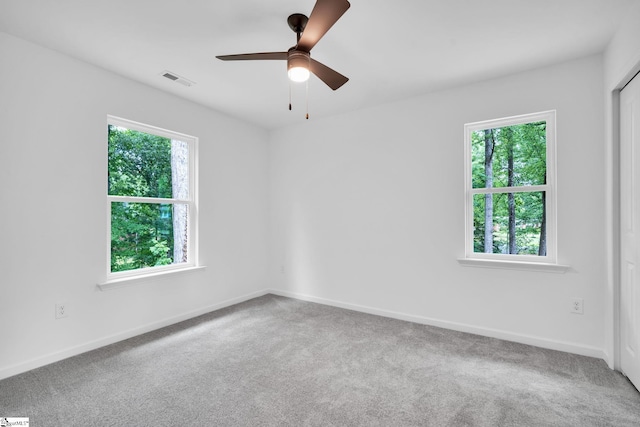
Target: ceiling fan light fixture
column 298, row 65
column 298, row 74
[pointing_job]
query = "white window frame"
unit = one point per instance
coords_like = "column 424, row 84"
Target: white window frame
column 513, row 260
column 114, row 279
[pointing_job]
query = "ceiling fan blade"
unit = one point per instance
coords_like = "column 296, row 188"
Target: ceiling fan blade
column 254, row 56
column 332, row 78
column 324, row 14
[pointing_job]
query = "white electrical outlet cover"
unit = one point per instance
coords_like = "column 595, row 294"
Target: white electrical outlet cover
column 61, row 310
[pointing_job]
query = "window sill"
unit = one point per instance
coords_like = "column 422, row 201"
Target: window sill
column 514, row 265
column 134, row 280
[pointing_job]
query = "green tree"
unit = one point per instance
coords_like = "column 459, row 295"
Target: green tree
column 139, row 166
column 489, row 150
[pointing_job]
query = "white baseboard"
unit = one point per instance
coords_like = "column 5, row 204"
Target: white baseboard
column 37, row 362
column 568, row 347
column 609, row 360
column 565, row 346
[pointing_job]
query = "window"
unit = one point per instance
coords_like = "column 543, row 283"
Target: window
column 151, row 200
column 510, row 189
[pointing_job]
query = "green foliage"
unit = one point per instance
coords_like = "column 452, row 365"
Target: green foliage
column 528, row 217
column 528, row 142
column 140, row 166
column 525, row 146
column 160, row 250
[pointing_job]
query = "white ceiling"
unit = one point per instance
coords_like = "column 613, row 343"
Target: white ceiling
column 389, row 49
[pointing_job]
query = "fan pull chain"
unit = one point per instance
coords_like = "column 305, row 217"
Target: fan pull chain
column 307, row 99
column 289, row 94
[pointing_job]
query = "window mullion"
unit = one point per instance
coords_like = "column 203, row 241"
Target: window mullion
column 523, row 189
column 158, row 200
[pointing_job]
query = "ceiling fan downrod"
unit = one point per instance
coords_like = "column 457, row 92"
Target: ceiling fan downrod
column 297, row 22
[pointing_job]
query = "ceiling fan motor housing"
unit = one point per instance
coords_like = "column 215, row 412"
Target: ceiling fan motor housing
column 297, row 58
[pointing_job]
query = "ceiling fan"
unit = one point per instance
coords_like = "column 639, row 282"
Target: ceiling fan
column 309, row 31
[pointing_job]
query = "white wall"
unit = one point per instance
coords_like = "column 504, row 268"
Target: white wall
column 366, row 208
column 367, row 211
column 623, row 52
column 53, row 112
column 621, row 62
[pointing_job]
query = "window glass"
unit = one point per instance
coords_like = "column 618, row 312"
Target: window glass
column 517, row 226
column 510, row 156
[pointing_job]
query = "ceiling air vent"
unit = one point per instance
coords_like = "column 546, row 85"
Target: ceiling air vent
column 176, row 78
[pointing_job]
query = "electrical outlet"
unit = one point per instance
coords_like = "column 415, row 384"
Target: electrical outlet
column 577, row 305
column 61, row 310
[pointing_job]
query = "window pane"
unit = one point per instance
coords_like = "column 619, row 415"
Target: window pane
column 145, row 165
column 510, row 223
column 509, row 156
column 147, row 235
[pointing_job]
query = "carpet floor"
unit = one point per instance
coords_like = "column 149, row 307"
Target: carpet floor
column 275, row 361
